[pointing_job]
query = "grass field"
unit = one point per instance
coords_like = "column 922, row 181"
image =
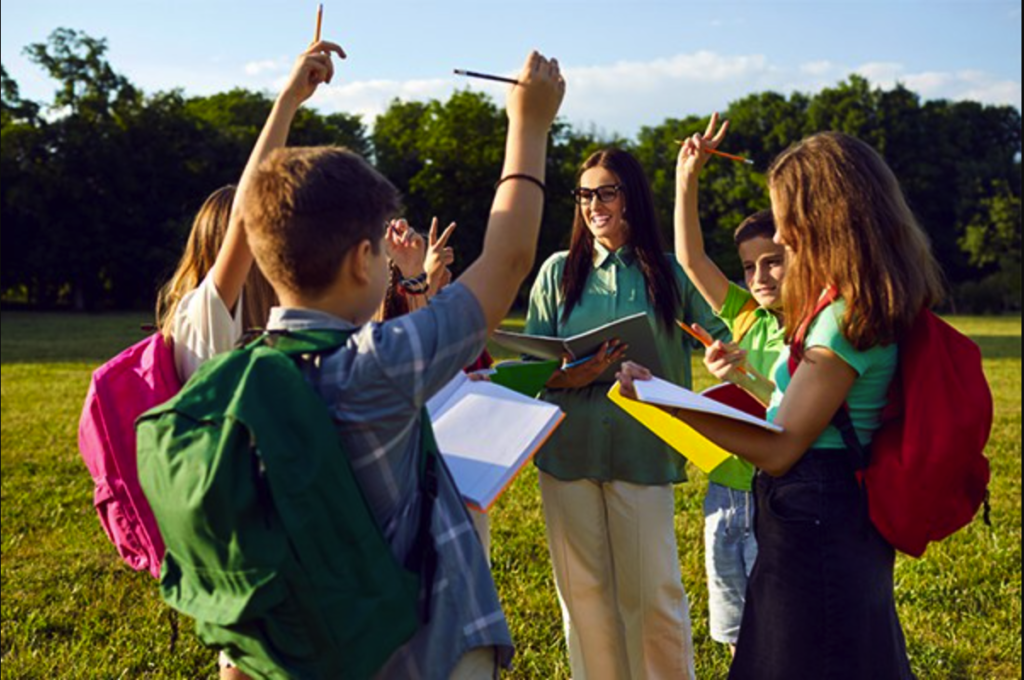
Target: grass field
column 71, row 609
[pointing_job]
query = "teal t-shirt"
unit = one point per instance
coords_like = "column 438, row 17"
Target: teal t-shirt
column 875, row 369
column 764, row 341
column 598, row 440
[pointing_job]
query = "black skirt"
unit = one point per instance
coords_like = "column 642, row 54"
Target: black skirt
column 819, row 602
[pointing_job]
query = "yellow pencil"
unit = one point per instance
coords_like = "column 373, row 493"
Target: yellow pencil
column 319, row 22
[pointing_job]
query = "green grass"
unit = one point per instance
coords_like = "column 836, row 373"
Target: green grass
column 71, row 609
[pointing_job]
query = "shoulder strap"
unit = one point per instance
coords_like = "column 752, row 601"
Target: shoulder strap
column 841, row 420
column 745, row 320
column 298, row 343
column 422, row 557
column 796, row 353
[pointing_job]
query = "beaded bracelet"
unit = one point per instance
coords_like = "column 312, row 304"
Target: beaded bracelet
column 417, row 285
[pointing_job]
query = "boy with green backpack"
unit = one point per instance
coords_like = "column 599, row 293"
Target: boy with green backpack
column 274, row 528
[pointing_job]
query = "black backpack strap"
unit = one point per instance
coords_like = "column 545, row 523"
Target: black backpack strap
column 844, row 423
column 422, row 558
column 859, row 456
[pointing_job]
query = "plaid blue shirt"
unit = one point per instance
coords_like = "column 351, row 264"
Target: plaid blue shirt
column 376, row 387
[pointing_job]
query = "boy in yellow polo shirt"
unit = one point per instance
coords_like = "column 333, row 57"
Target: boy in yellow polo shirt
column 753, row 316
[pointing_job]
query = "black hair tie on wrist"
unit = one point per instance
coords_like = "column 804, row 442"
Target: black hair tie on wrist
column 528, row 178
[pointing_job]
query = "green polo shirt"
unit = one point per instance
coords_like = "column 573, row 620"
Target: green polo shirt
column 598, row 440
column 764, row 341
column 875, row 369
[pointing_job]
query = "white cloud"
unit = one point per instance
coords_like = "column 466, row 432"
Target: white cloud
column 371, row 98
column 881, row 73
column 701, row 67
column 621, row 96
column 817, row 68
column 955, row 85
column 265, row 67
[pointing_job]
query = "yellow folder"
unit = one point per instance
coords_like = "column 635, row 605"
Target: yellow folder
column 699, row 450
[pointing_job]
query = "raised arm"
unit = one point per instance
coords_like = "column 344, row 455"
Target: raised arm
column 234, row 259
column 510, row 244
column 712, row 284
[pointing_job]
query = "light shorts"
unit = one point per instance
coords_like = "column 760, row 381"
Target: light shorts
column 729, row 553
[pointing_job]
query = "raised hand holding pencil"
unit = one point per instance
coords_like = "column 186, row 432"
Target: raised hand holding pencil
column 696, row 151
column 313, row 68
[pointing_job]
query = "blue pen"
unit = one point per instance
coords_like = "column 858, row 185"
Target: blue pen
column 580, row 362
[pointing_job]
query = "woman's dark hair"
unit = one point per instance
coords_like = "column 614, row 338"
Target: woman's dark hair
column 644, row 236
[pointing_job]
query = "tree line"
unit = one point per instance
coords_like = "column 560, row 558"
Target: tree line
column 98, row 187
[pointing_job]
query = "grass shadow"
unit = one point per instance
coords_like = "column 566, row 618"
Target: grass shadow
column 998, row 346
column 44, row 338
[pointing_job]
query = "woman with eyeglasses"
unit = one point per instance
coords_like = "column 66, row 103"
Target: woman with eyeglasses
column 606, row 481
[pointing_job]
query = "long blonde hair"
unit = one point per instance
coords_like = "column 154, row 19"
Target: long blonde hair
column 842, row 212
column 204, row 242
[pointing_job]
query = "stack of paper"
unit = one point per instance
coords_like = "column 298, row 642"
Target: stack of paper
column 652, row 394
column 487, row 434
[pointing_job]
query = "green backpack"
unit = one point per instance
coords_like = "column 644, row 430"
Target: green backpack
column 271, row 547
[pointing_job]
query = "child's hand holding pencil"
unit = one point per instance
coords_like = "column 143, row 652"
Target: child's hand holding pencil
column 314, row 67
column 721, row 358
column 696, row 151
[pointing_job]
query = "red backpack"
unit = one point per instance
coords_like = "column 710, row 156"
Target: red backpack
column 926, row 474
column 136, row 380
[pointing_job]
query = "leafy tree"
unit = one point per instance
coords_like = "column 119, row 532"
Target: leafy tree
column 396, row 141
column 992, row 237
column 13, row 108
column 88, row 85
column 97, row 196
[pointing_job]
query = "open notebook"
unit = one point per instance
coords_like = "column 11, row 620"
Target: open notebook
column 635, row 331
column 487, row 434
column 655, row 393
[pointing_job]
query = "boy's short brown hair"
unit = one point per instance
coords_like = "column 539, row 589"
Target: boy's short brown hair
column 759, row 225
column 307, row 207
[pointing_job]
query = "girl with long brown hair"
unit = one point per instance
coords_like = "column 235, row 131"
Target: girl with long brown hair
column 606, row 481
column 190, row 310
column 217, row 292
column 820, row 600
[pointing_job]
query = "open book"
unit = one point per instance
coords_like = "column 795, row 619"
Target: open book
column 655, row 393
column 487, row 434
column 634, row 331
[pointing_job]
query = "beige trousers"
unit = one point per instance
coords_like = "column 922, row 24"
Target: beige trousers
column 616, row 564
column 476, row 664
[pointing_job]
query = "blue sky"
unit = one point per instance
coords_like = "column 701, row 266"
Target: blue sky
column 628, row 62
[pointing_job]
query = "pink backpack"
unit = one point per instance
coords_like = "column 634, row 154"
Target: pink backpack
column 136, row 380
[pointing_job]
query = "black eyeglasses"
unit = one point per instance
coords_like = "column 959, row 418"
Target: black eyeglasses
column 605, row 194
